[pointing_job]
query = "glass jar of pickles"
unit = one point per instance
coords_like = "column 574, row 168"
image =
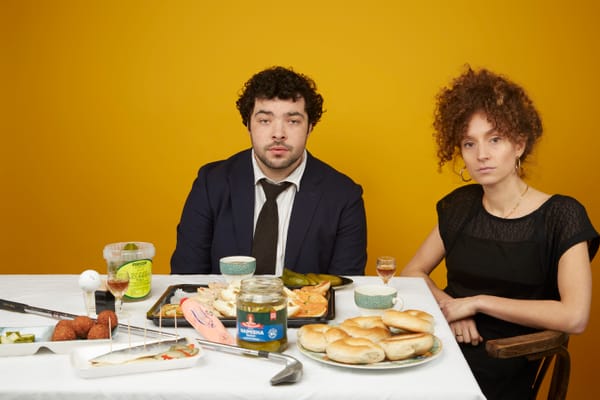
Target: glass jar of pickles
column 262, row 314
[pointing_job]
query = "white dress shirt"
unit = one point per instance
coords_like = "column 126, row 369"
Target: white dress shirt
column 285, row 201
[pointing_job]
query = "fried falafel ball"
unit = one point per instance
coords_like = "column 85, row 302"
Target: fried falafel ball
column 105, row 316
column 81, row 325
column 98, row 331
column 63, row 331
column 65, row 322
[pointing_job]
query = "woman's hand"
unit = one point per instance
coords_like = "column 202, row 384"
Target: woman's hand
column 465, row 331
column 459, row 313
column 458, row 308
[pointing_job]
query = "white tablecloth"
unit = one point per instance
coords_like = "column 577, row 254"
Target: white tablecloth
column 218, row 375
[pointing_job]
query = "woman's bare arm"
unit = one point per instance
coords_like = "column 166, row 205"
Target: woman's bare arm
column 569, row 314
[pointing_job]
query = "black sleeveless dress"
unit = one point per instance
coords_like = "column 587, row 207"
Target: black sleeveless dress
column 514, row 258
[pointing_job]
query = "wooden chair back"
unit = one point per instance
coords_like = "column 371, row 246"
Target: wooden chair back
column 549, row 346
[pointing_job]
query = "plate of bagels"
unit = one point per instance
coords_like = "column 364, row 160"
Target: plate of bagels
column 395, row 339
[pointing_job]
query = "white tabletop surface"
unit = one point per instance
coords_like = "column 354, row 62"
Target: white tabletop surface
column 218, row 375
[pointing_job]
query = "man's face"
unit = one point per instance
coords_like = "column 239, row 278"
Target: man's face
column 279, row 130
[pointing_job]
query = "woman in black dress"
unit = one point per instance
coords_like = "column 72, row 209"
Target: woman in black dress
column 517, row 259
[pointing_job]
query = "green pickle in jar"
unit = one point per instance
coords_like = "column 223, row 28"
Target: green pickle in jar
column 262, row 314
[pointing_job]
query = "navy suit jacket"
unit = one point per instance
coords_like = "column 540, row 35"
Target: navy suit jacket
column 327, row 231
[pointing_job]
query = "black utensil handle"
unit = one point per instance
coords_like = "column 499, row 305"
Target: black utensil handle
column 25, row 308
column 12, row 306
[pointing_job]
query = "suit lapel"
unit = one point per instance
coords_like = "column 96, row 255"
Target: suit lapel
column 241, row 188
column 305, row 204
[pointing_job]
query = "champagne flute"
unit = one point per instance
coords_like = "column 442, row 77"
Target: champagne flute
column 386, row 268
column 117, row 281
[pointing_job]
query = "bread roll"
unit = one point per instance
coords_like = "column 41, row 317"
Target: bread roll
column 355, row 351
column 420, row 314
column 408, row 345
column 316, row 337
column 410, row 320
column 333, row 333
column 371, row 328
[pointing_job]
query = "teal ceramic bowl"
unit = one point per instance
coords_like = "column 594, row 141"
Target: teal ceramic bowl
column 237, row 267
column 375, row 297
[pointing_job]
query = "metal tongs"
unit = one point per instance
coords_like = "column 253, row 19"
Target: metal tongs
column 291, row 373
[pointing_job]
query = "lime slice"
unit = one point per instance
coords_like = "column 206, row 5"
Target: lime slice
column 130, row 246
column 26, row 338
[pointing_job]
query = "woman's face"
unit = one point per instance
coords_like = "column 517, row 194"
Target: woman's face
column 489, row 156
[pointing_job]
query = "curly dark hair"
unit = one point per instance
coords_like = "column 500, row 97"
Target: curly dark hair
column 284, row 84
column 505, row 104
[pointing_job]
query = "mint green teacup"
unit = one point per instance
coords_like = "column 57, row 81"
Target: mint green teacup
column 236, row 268
column 373, row 299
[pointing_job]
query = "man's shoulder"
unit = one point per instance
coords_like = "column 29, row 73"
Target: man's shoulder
column 317, row 169
column 227, row 165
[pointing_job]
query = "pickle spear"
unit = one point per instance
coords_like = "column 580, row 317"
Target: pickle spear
column 17, row 337
column 292, row 278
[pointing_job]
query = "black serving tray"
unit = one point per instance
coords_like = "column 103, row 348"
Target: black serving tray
column 153, row 313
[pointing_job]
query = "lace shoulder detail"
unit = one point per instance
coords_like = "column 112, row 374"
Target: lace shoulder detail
column 568, row 219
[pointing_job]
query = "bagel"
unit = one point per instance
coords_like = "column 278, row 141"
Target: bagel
column 355, row 350
column 316, row 337
column 334, row 333
column 401, row 347
column 409, row 320
column 420, row 314
column 369, row 327
column 312, row 337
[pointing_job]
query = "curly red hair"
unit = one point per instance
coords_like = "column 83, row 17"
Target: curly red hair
column 505, row 104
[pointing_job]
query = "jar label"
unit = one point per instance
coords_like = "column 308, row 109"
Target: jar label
column 140, row 278
column 262, row 326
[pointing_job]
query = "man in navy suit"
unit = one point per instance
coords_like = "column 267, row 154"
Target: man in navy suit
column 322, row 221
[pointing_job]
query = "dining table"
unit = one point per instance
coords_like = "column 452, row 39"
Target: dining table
column 220, row 375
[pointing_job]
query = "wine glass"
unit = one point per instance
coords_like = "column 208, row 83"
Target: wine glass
column 386, row 268
column 117, row 281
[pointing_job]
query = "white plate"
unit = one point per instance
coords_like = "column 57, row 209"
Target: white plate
column 411, row 362
column 80, row 361
column 43, row 339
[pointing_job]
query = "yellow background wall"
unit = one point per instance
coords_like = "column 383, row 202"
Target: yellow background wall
column 108, row 108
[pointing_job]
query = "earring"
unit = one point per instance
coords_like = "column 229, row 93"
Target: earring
column 518, row 166
column 462, row 170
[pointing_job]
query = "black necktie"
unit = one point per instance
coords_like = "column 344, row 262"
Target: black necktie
column 264, row 245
